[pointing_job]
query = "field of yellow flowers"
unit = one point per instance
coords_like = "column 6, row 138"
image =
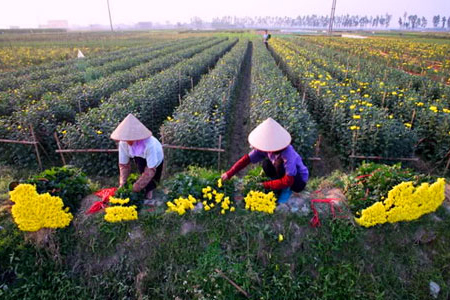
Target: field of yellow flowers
column 367, row 97
column 414, row 56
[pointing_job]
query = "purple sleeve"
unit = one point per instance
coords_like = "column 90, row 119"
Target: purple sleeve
column 291, row 160
column 256, row 156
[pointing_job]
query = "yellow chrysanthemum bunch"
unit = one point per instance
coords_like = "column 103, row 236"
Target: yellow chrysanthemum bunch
column 214, row 198
column 32, row 211
column 181, row 204
column 260, row 201
column 404, row 203
column 119, row 201
column 120, row 213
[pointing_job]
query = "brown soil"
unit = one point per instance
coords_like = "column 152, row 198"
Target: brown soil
column 240, row 130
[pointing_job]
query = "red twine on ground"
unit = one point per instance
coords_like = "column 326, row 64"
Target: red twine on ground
column 315, row 221
column 104, row 194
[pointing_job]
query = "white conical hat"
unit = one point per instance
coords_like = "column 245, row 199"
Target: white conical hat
column 131, row 129
column 269, row 136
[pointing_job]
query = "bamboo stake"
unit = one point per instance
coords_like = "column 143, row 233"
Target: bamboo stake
column 179, row 82
column 193, row 148
column 232, row 283
column 192, row 83
column 346, row 70
column 382, row 100
column 304, row 92
column 86, row 150
column 218, row 153
column 384, row 158
column 413, row 118
column 59, row 147
column 446, row 167
column 36, row 147
column 17, row 142
column 319, row 141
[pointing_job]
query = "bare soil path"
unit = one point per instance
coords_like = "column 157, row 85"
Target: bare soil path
column 240, row 130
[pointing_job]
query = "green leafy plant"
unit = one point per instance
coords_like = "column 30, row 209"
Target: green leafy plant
column 192, row 181
column 68, row 183
column 252, row 181
column 127, row 192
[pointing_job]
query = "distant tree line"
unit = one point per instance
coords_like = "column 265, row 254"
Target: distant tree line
column 316, row 21
column 415, row 21
column 344, row 21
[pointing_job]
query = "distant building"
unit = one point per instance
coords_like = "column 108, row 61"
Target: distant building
column 98, row 27
column 144, row 25
column 56, row 24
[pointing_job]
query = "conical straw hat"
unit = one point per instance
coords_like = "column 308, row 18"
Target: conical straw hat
column 131, row 129
column 269, row 136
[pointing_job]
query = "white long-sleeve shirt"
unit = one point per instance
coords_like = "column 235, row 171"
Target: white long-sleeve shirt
column 153, row 152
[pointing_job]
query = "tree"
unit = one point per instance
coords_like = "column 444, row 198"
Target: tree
column 388, row 20
column 400, row 22
column 436, row 20
column 424, row 22
column 197, row 22
column 448, row 22
column 444, row 20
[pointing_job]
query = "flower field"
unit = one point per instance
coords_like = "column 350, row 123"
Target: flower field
column 206, row 112
column 201, row 237
column 368, row 103
column 410, row 55
column 421, row 104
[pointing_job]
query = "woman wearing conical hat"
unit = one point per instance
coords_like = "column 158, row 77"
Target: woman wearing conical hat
column 272, row 144
column 137, row 142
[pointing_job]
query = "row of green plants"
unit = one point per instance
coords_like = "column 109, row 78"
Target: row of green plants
column 53, row 110
column 151, row 101
column 368, row 130
column 13, row 80
column 274, row 96
column 32, row 91
column 206, row 112
column 425, row 110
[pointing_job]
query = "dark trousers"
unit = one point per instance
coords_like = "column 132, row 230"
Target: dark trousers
column 276, row 171
column 141, row 163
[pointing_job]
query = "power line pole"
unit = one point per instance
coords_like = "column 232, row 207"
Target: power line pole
column 110, row 20
column 333, row 9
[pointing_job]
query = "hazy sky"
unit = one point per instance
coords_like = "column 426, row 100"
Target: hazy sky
column 31, row 13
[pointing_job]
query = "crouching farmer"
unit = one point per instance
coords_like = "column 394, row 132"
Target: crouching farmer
column 272, row 145
column 137, row 143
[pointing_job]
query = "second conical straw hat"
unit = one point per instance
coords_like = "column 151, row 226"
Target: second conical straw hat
column 269, row 136
column 131, row 129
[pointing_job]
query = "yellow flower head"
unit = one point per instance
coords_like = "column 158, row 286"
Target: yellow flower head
column 32, row 211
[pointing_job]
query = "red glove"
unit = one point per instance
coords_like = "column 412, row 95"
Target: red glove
column 239, row 165
column 279, row 184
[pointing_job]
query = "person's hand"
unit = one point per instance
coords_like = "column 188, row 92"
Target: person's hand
column 224, row 176
column 136, row 188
